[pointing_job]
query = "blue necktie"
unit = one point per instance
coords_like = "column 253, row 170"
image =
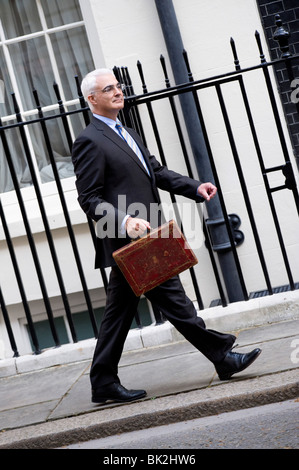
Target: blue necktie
column 131, row 142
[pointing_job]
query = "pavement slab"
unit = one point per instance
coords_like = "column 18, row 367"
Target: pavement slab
column 52, row 407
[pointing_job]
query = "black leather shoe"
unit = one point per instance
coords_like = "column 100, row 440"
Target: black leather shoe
column 116, row 392
column 235, row 362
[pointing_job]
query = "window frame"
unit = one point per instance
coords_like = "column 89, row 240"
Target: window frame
column 48, row 189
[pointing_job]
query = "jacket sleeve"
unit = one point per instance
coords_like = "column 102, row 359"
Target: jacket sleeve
column 169, row 180
column 174, row 182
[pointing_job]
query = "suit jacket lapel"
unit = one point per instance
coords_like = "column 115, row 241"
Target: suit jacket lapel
column 116, row 139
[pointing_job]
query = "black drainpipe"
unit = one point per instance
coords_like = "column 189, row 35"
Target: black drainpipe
column 219, row 234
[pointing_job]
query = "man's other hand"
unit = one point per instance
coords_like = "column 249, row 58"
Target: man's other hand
column 207, row 191
column 136, row 227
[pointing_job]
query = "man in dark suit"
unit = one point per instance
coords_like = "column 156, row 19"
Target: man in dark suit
column 111, row 179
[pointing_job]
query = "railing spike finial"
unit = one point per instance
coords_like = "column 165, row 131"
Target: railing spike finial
column 140, row 70
column 116, row 71
column 236, row 58
column 57, row 92
column 186, row 59
column 259, row 44
column 78, row 86
column 163, row 63
column 126, row 76
column 15, row 104
column 164, row 68
column 282, row 36
column 36, row 98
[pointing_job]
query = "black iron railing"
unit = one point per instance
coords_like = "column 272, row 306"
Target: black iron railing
column 225, row 245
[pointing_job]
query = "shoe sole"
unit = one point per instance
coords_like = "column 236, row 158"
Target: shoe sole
column 116, row 400
column 228, row 376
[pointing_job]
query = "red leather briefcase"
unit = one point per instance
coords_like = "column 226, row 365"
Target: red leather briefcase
column 154, row 258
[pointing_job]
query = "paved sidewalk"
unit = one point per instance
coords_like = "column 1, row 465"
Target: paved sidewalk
column 51, row 407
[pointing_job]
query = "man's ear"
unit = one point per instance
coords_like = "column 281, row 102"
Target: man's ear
column 91, row 98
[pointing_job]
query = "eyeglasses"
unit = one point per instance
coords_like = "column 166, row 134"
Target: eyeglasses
column 110, row 88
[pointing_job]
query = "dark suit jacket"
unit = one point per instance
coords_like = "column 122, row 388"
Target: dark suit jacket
column 111, row 180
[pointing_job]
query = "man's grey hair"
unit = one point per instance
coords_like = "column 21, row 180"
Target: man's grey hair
column 89, row 81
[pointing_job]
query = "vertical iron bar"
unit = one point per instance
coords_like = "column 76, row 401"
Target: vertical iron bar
column 63, row 116
column 176, row 119
column 19, row 281
column 83, row 105
column 236, row 59
column 276, row 115
column 29, row 235
column 136, row 124
column 8, row 326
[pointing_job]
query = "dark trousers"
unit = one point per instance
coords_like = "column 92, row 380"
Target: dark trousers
column 121, row 305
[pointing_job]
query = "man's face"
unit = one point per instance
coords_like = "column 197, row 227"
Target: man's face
column 107, row 97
